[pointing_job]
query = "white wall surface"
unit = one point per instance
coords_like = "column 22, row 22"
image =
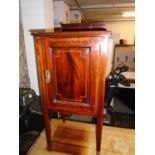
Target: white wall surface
column 48, row 14
column 126, row 29
column 73, row 16
column 36, row 14
column 110, row 54
column 66, row 13
column 61, row 13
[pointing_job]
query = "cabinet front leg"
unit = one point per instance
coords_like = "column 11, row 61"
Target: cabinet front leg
column 48, row 130
column 99, row 132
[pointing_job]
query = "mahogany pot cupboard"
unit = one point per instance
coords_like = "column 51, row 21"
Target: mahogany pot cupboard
column 71, row 70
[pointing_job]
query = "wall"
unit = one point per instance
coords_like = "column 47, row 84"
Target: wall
column 75, row 16
column 126, row 29
column 61, row 13
column 110, row 54
column 36, row 14
column 24, row 80
column 48, row 14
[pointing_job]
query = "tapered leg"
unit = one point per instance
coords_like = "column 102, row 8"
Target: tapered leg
column 47, row 130
column 99, row 132
column 62, row 115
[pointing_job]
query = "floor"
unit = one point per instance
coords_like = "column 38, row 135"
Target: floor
column 78, row 138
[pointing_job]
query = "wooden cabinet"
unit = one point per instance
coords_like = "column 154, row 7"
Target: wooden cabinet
column 71, row 71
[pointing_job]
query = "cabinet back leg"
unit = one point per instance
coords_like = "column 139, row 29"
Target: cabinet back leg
column 62, row 116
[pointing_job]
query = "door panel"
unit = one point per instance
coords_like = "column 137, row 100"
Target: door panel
column 71, row 74
column 74, row 68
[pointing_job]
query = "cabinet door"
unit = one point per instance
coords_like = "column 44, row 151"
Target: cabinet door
column 72, row 74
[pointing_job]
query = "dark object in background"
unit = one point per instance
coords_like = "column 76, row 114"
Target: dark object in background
column 26, row 97
column 36, row 115
column 123, row 41
column 30, row 119
column 114, row 78
column 25, row 141
column 111, row 116
column 124, row 120
column 127, row 96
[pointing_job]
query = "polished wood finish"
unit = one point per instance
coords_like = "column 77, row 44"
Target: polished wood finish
column 78, row 138
column 71, row 70
column 84, row 26
column 40, row 62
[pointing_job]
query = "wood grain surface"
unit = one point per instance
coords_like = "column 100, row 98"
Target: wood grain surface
column 78, row 138
column 72, row 70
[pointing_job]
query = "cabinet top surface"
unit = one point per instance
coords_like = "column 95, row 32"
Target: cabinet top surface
column 50, row 33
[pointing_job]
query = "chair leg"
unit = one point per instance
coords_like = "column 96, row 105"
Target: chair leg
column 48, row 130
column 99, row 124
